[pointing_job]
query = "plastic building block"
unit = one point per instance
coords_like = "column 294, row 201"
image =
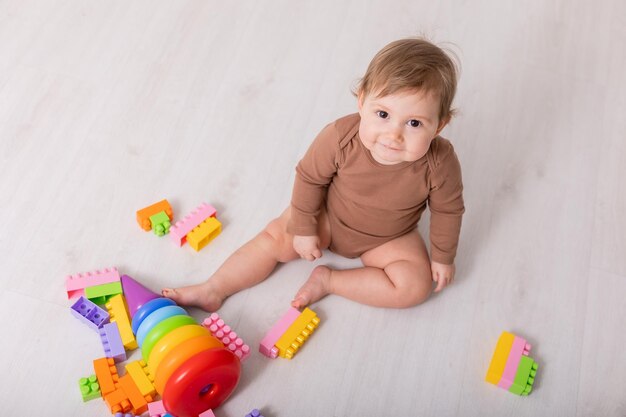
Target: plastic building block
column 124, row 415
column 100, row 293
column 525, row 376
column 160, row 223
column 76, row 284
column 156, row 409
column 519, row 348
column 143, row 215
column 267, row 346
column 180, row 230
column 204, row 233
column 254, row 413
column 89, row 388
column 89, row 313
column 117, row 401
column 500, row 356
column 139, row 403
column 119, row 314
column 207, row 413
column 227, row 336
column 136, row 294
column 112, row 342
column 106, row 372
column 139, row 373
column 297, row 334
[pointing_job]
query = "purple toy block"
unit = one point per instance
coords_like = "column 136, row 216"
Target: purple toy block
column 112, row 342
column 136, row 294
column 254, row 413
column 89, row 313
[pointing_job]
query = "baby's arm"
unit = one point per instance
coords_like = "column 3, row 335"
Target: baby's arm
column 446, row 206
column 313, row 174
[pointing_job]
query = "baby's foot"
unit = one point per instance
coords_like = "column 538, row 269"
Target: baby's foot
column 201, row 295
column 315, row 288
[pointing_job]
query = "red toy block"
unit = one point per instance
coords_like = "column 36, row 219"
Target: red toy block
column 106, row 372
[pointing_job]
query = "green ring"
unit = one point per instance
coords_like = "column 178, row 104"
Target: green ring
column 161, row 330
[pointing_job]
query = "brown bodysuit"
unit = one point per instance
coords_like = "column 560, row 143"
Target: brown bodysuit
column 369, row 203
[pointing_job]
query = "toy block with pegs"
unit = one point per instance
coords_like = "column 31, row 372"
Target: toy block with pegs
column 226, row 335
column 116, row 307
column 75, row 284
column 289, row 334
column 511, row 368
column 180, row 230
column 112, row 342
column 89, row 313
column 204, row 233
column 143, row 215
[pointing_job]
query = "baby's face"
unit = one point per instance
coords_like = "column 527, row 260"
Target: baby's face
column 399, row 127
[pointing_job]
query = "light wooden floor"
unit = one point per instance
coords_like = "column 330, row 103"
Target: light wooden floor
column 108, row 106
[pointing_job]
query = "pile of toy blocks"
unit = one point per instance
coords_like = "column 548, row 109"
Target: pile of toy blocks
column 98, row 300
column 198, row 228
column 511, row 368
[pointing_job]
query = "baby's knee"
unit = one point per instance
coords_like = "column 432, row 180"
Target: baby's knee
column 278, row 241
column 414, row 289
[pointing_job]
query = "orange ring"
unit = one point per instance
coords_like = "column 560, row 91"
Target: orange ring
column 203, row 382
column 177, row 356
column 170, row 341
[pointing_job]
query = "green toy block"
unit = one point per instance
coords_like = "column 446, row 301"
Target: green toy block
column 99, row 294
column 89, row 388
column 160, row 223
column 524, row 377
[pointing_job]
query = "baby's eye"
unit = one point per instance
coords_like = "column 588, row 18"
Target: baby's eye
column 382, row 114
column 415, row 123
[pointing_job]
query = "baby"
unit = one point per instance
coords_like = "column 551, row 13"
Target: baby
column 360, row 190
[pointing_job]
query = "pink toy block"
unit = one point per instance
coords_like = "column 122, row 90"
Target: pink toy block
column 267, row 344
column 226, row 335
column 156, row 409
column 75, row 284
column 519, row 348
column 179, row 230
column 207, row 413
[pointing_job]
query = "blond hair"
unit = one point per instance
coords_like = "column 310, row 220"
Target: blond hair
column 412, row 64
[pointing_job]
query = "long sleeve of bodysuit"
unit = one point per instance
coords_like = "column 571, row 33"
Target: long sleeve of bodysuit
column 314, row 173
column 446, row 205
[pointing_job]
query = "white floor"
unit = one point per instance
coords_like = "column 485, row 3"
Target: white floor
column 108, row 106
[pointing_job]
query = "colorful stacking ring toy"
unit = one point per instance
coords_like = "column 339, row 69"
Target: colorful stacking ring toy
column 193, row 370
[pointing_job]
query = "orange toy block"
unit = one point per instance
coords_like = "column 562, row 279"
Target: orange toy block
column 106, row 372
column 139, row 403
column 117, row 401
column 143, row 215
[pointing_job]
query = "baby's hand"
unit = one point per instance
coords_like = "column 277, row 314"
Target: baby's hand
column 308, row 247
column 442, row 274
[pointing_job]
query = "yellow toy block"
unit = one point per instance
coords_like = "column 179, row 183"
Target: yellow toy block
column 297, row 333
column 500, row 356
column 139, row 373
column 118, row 311
column 200, row 236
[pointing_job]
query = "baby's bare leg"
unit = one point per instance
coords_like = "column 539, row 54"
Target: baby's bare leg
column 396, row 274
column 246, row 267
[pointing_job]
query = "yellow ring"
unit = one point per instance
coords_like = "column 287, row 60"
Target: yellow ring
column 170, row 341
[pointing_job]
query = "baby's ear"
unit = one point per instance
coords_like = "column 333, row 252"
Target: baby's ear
column 442, row 124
